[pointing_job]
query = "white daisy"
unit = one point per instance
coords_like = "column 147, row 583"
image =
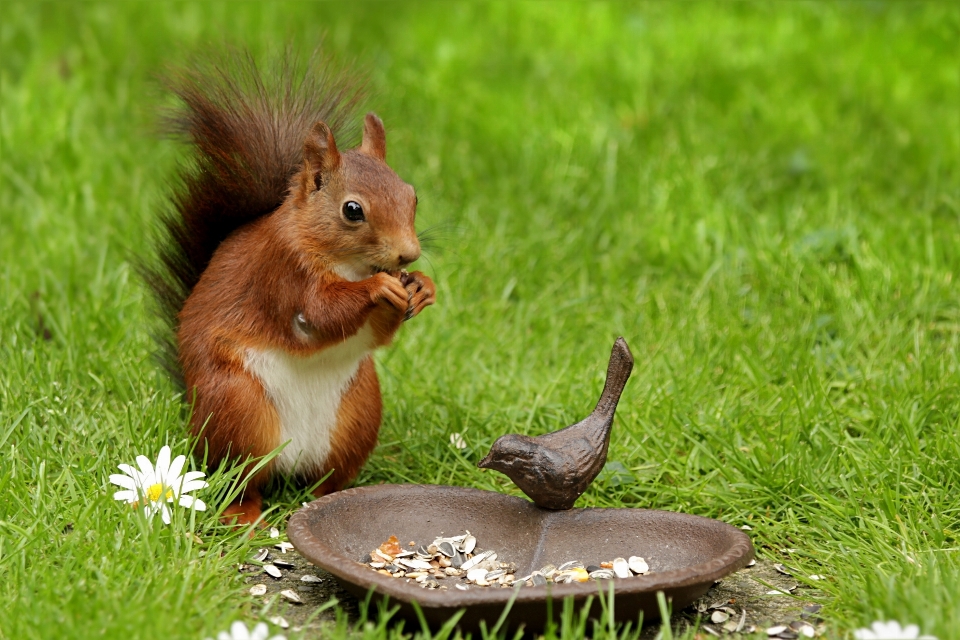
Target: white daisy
column 456, row 439
column 239, row 631
column 153, row 486
column 891, row 631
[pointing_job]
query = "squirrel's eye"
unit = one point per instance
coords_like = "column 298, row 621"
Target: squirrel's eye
column 353, row 211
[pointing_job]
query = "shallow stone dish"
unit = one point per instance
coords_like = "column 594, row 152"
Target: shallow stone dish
column 686, row 553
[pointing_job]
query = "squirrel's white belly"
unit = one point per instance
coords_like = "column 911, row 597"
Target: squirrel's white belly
column 306, row 392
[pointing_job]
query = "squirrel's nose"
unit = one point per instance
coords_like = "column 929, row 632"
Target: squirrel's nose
column 408, row 254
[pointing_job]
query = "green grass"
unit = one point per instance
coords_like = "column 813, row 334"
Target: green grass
column 764, row 199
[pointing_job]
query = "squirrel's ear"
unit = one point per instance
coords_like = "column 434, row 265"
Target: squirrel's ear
column 374, row 137
column 320, row 156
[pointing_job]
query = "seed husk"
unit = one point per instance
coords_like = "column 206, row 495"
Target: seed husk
column 258, row 589
column 468, row 545
column 292, row 596
column 309, row 577
column 272, row 571
column 621, row 568
column 638, row 565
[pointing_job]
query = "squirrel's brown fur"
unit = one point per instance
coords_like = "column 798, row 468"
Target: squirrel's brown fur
column 277, row 294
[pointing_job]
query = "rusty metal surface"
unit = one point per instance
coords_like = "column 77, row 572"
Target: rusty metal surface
column 555, row 469
column 686, row 553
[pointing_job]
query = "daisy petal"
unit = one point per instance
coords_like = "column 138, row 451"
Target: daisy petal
column 162, row 467
column 176, row 467
column 191, row 502
column 146, row 467
column 130, row 471
column 260, row 632
column 223, row 635
column 192, row 485
column 123, row 481
column 126, row 495
column 239, row 631
column 164, row 512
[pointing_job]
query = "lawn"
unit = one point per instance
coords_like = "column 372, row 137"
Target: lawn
column 763, row 198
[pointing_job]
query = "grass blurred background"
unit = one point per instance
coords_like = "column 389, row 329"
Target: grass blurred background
column 763, row 198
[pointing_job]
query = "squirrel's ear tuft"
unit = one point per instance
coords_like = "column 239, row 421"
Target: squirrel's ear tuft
column 320, row 156
column 374, row 137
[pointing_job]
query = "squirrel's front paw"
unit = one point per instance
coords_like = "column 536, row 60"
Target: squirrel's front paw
column 421, row 290
column 387, row 289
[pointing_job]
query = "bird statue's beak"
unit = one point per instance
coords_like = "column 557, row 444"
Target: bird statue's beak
column 487, row 462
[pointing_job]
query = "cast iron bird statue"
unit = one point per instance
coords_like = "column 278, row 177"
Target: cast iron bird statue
column 556, row 468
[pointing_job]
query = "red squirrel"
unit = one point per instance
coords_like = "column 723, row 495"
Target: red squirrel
column 282, row 270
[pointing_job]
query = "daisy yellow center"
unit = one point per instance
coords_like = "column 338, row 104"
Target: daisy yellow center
column 154, row 492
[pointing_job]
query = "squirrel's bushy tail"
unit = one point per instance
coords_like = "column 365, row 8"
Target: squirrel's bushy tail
column 245, row 127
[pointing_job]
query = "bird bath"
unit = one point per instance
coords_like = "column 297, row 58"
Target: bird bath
column 686, row 554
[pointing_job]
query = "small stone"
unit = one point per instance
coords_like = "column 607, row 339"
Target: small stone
column 258, row 589
column 272, row 571
column 309, row 577
column 292, row 596
column 451, row 571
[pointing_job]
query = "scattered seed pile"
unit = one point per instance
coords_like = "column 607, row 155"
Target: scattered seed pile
column 459, row 562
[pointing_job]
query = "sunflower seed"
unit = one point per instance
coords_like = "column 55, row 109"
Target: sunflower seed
column 283, row 564
column 284, row 547
column 573, row 564
column 446, row 548
column 621, row 568
column 468, row 545
column 272, row 571
column 261, row 555
column 777, row 630
column 274, row 532
column 461, row 586
column 781, row 569
column 548, row 570
column 414, row 563
column 538, row 579
column 457, row 560
column 602, row 574
column 258, row 589
column 719, row 617
column 309, row 577
column 475, row 560
column 280, row 621
column 494, row 575
column 292, row 596
column 476, row 574
column 638, row 565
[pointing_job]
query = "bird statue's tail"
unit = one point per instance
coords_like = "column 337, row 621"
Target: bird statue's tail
column 618, row 371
